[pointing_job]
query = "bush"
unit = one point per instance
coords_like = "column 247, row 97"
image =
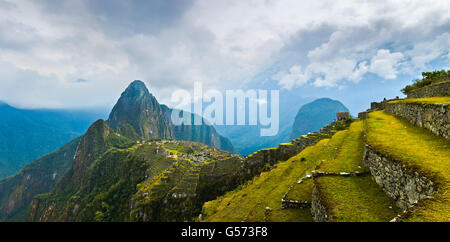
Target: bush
column 427, row 79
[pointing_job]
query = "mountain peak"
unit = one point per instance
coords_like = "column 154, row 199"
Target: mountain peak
column 138, row 84
column 139, row 109
column 136, row 89
column 314, row 115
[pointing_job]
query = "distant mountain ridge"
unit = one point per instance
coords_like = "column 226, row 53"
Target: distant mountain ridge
column 314, row 115
column 25, row 135
column 296, row 119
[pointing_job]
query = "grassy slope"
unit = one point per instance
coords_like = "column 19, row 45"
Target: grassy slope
column 419, row 149
column 301, row 191
column 423, row 100
column 355, row 199
column 350, row 154
column 249, row 202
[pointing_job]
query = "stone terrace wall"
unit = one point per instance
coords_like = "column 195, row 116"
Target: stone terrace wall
column 318, row 210
column 432, row 116
column 254, row 164
column 405, row 186
column 445, row 78
column 433, row 90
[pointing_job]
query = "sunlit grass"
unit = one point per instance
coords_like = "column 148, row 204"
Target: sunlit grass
column 357, row 199
column 249, row 203
column 423, row 100
column 351, row 152
column 301, row 192
column 420, row 150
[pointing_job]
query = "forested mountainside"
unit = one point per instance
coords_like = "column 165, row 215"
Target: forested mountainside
column 116, row 179
column 137, row 116
column 26, row 135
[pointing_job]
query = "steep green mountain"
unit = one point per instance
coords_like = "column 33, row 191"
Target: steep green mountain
column 17, row 191
column 26, row 135
column 138, row 115
column 148, row 181
column 314, row 115
column 113, row 179
column 204, row 133
column 139, row 109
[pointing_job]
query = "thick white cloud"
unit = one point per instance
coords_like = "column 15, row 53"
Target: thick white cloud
column 46, row 48
column 385, row 64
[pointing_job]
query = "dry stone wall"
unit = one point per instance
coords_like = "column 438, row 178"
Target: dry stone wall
column 256, row 163
column 433, row 90
column 318, row 209
column 404, row 185
column 432, row 116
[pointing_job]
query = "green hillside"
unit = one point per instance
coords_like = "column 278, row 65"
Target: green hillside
column 26, row 135
column 332, row 178
column 420, row 150
column 261, row 198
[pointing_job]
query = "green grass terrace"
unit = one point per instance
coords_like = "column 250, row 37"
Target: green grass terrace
column 420, row 150
column 423, row 100
column 355, row 199
column 342, row 153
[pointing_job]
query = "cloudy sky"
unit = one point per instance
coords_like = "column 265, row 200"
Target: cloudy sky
column 75, row 54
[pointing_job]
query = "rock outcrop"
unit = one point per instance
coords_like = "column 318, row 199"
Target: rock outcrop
column 138, row 115
column 140, row 109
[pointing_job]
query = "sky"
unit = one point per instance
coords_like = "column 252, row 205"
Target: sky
column 81, row 54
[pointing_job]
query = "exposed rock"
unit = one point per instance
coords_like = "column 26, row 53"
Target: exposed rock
column 436, row 89
column 432, row 116
column 318, row 209
column 405, row 186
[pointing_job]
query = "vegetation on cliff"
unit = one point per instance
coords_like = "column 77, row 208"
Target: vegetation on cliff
column 427, row 79
column 40, row 176
column 149, row 181
column 137, row 116
column 423, row 100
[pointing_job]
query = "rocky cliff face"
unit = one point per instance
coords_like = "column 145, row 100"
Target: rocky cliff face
column 139, row 109
column 204, row 133
column 138, row 115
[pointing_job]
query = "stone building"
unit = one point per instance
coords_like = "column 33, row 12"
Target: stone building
column 342, row 116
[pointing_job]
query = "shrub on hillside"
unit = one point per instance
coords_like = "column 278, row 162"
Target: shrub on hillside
column 427, row 79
